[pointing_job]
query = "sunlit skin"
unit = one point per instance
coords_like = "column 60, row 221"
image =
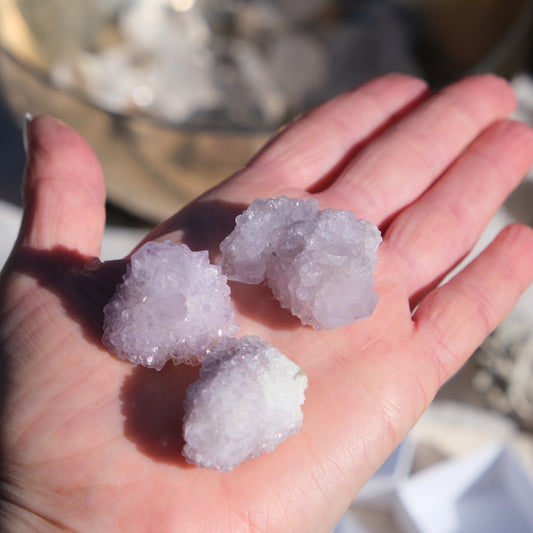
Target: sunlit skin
column 92, row 443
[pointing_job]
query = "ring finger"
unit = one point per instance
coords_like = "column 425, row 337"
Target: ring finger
column 395, row 168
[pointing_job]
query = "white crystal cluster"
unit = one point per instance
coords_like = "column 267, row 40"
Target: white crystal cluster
column 173, row 304
column 318, row 264
column 246, row 402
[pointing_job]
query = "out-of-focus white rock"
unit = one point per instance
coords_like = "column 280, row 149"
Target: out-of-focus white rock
column 246, row 402
column 173, row 304
column 318, row 264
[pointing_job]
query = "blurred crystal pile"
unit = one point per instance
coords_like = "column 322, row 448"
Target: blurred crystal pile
column 243, row 63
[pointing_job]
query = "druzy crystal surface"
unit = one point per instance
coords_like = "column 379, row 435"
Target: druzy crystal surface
column 173, row 304
column 245, row 403
column 318, row 264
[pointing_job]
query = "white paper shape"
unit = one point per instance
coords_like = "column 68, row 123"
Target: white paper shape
column 483, row 492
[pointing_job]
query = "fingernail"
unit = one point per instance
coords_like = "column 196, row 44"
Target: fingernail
column 28, row 117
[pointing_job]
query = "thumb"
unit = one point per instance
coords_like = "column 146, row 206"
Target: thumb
column 63, row 190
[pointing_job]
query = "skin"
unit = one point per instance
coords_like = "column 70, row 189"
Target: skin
column 91, row 443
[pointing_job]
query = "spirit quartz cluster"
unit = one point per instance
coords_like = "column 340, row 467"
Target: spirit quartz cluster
column 174, row 305
column 246, row 402
column 318, row 264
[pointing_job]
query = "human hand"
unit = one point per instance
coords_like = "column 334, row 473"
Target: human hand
column 93, row 444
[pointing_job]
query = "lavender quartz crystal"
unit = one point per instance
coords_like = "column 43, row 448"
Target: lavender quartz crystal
column 318, row 264
column 246, row 402
column 172, row 304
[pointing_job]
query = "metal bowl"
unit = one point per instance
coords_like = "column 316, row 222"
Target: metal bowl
column 153, row 166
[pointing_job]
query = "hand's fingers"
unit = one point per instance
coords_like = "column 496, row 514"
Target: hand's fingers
column 437, row 231
column 305, row 154
column 63, row 190
column 455, row 318
column 399, row 165
column 302, row 156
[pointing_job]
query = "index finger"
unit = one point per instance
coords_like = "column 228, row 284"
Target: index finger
column 313, row 147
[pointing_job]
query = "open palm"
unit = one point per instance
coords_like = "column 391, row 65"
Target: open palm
column 92, row 443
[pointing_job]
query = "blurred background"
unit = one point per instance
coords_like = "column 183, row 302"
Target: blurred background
column 175, row 95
